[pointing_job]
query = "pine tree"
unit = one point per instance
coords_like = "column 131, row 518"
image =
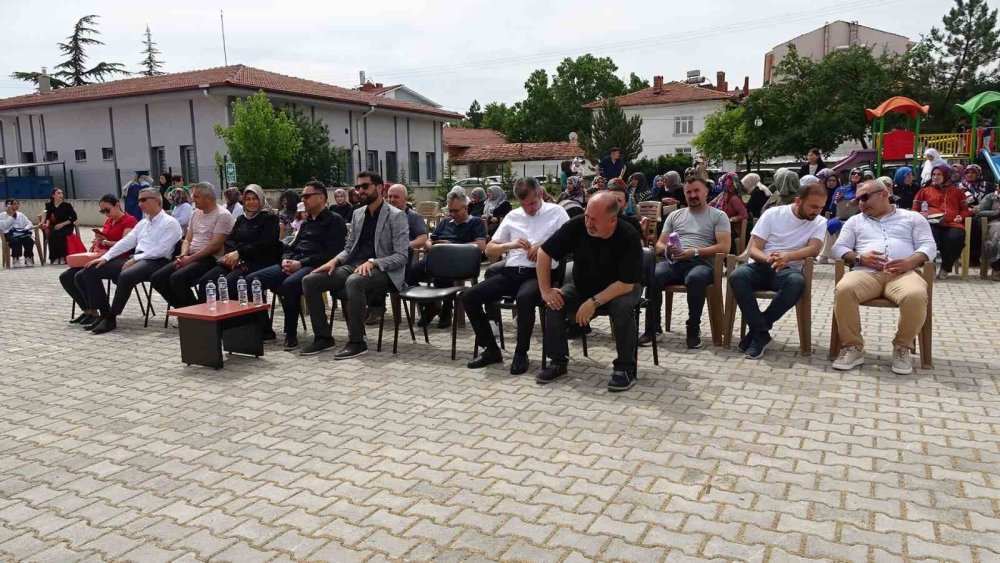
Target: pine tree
column 610, row 127
column 73, row 71
column 475, row 115
column 150, row 64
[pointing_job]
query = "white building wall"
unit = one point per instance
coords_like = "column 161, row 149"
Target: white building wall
column 88, row 129
column 658, row 129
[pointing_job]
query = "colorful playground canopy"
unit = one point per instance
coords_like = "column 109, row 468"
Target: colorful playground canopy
column 897, row 104
column 979, row 101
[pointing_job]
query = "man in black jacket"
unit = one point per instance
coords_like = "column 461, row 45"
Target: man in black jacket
column 320, row 238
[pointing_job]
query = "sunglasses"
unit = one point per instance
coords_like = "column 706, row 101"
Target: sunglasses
column 142, row 199
column 864, row 197
column 307, row 196
column 364, row 186
column 108, row 211
column 855, row 173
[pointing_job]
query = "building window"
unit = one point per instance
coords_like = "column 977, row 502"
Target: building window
column 391, row 167
column 432, row 166
column 683, row 150
column 81, row 155
column 108, row 153
column 414, row 167
column 684, row 125
column 158, row 161
column 371, row 161
column 28, row 157
column 51, row 156
column 189, row 164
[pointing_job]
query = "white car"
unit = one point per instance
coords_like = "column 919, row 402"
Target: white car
column 468, row 183
column 493, row 180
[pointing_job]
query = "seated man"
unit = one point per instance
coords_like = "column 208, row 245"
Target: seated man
column 607, row 270
column 783, row 237
column 153, row 239
column 16, row 229
column 320, row 238
column 520, row 235
column 459, row 228
column 617, row 188
column 374, row 257
column 888, row 245
column 704, row 232
column 202, row 247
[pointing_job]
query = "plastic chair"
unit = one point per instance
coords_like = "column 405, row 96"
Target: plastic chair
column 652, row 210
column 984, row 266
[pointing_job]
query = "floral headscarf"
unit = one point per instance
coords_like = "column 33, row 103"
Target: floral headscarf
column 730, row 183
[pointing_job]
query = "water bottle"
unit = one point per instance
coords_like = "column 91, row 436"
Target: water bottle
column 923, row 206
column 258, row 294
column 241, row 288
column 210, row 296
column 674, row 240
column 223, row 289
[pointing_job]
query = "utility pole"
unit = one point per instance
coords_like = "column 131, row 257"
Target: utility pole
column 222, row 21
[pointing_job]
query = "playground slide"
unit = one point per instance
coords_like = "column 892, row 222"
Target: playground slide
column 856, row 158
column 992, row 161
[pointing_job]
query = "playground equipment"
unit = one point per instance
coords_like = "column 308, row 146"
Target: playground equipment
column 972, row 107
column 909, row 108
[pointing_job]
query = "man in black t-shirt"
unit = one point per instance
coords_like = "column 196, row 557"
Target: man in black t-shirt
column 607, row 271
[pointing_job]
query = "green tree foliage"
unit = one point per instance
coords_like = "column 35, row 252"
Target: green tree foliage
column 498, row 116
column 447, row 181
column 635, row 83
column 316, row 159
column 612, row 128
column 150, row 63
column 731, row 134
column 475, row 115
column 262, row 141
column 73, row 71
column 653, row 167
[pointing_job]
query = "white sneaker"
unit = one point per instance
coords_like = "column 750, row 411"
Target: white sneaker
column 849, row 358
column 902, row 363
column 29, row 262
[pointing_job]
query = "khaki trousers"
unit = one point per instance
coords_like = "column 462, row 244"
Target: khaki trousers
column 908, row 291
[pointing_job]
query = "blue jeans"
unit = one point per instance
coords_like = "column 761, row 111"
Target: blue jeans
column 696, row 275
column 788, row 284
column 289, row 290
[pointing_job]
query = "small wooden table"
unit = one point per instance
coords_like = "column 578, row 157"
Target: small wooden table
column 204, row 333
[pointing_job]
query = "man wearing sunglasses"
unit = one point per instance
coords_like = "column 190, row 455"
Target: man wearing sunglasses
column 374, row 258
column 153, row 241
column 320, row 238
column 887, row 245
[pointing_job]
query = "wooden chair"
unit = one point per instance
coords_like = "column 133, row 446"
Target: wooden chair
column 984, row 266
column 5, row 251
column 925, row 336
column 740, row 233
column 963, row 261
column 714, row 299
column 651, row 210
column 430, row 211
column 803, row 309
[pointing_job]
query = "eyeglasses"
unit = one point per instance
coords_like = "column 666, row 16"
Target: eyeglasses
column 105, row 211
column 864, row 197
column 307, row 196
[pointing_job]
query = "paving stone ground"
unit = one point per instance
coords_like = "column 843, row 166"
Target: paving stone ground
column 110, row 448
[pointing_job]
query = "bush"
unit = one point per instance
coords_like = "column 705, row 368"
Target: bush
column 653, row 167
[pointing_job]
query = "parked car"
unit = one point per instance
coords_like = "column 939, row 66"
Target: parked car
column 493, row 180
column 468, row 183
column 543, row 178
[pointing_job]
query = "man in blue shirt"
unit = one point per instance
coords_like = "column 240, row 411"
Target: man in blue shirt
column 611, row 166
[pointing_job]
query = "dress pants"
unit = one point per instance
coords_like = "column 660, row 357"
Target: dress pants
column 908, row 291
column 175, row 284
column 125, row 281
column 358, row 290
column 288, row 288
column 622, row 313
column 522, row 284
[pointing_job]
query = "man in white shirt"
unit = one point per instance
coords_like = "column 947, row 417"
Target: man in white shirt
column 16, row 228
column 888, row 245
column 520, row 235
column 153, row 241
column 782, row 238
column 202, row 247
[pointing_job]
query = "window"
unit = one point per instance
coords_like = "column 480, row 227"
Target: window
column 51, row 156
column 432, row 166
column 158, row 162
column 108, row 153
column 81, row 155
column 28, row 157
column 415, row 167
column 371, row 161
column 683, row 150
column 391, row 167
column 684, row 125
column 189, row 164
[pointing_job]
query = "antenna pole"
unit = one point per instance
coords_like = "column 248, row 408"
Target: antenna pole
column 222, row 21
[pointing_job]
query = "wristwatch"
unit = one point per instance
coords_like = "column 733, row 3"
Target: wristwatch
column 596, row 301
column 696, row 253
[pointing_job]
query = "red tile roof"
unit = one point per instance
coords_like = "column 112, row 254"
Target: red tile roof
column 461, row 137
column 236, row 76
column 670, row 93
column 563, row 150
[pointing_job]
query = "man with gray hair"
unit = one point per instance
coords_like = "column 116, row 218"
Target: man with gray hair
column 153, row 240
column 459, row 228
column 202, row 247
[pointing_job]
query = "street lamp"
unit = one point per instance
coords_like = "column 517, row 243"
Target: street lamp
column 758, row 122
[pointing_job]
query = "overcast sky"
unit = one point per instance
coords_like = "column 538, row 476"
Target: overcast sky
column 451, row 52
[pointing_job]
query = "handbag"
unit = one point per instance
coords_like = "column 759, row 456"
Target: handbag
column 74, row 245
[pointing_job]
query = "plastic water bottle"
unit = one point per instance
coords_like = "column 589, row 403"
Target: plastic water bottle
column 223, row 289
column 673, row 240
column 258, row 294
column 210, row 296
column 241, row 288
column 923, row 206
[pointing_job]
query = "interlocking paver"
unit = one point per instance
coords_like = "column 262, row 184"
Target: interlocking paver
column 413, row 456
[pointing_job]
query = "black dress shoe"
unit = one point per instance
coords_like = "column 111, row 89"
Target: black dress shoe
column 488, row 357
column 91, row 322
column 269, row 335
column 82, row 317
column 106, row 325
column 550, row 374
column 352, row 350
column 427, row 314
column 519, row 364
column 444, row 321
column 291, row 343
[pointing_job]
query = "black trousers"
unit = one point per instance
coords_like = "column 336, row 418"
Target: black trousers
column 622, row 313
column 522, row 284
column 175, row 284
column 57, row 242
column 950, row 242
column 232, row 276
column 91, row 281
column 21, row 246
column 73, row 285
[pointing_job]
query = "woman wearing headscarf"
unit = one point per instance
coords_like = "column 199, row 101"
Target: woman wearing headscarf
column 182, row 209
column 989, row 207
column 341, row 206
column 845, row 192
column 287, row 206
column 904, row 187
column 730, row 202
column 638, row 188
column 477, row 202
column 497, row 207
column 931, row 159
column 252, row 245
column 673, row 190
column 814, row 164
column 574, row 191
column 759, row 193
column 946, row 212
column 784, row 188
column 831, row 182
column 233, row 205
column 976, row 188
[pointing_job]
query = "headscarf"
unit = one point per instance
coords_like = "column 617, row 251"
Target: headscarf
column 232, row 195
column 479, row 193
column 752, row 182
column 491, row 204
column 867, row 175
column 671, row 180
column 936, row 160
column 946, row 170
column 975, row 191
column 179, row 196
column 808, row 179
column 823, row 174
column 784, row 189
column 731, row 179
column 900, row 176
column 641, row 191
column 957, row 170
column 259, row 192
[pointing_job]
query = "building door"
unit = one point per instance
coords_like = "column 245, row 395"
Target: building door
column 189, row 164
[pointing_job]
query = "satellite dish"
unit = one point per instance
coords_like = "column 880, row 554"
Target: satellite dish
column 572, row 136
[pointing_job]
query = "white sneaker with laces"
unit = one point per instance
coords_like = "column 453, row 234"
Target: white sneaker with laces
column 849, row 358
column 902, row 363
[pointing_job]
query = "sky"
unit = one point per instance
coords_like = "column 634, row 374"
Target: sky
column 451, row 52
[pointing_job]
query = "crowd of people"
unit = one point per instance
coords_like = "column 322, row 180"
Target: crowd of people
column 577, row 255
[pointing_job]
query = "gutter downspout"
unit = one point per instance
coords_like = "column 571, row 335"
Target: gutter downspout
column 364, row 117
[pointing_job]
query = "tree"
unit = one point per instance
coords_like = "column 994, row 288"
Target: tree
column 730, row 134
column 497, row 116
column 315, row 159
column 662, row 164
column 73, row 71
column 262, row 141
column 150, row 64
column 611, row 128
column 635, row 83
column 475, row 115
